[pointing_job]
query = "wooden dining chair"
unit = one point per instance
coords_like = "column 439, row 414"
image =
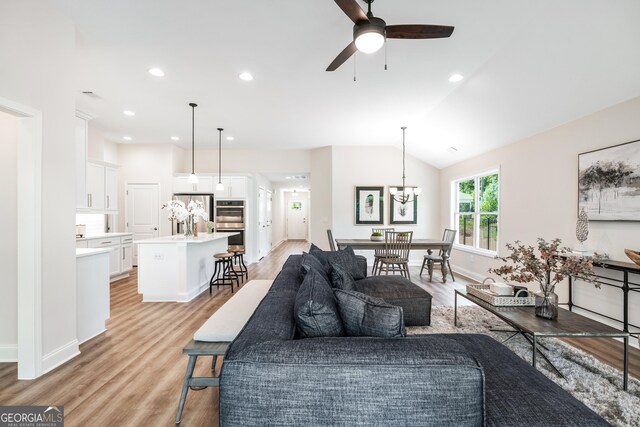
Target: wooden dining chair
column 442, row 257
column 332, row 243
column 397, row 247
column 379, row 253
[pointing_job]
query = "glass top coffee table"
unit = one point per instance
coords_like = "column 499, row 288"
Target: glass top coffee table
column 567, row 325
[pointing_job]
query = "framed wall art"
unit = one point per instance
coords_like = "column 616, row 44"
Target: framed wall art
column 609, row 183
column 369, row 205
column 403, row 213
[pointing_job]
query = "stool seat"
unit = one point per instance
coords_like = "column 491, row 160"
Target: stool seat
column 223, row 255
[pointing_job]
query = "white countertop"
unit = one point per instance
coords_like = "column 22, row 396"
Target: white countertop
column 102, row 236
column 82, row 252
column 201, row 238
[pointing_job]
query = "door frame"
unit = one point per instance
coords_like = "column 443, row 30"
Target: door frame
column 29, row 246
column 126, row 206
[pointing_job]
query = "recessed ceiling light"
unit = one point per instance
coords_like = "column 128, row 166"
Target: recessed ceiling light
column 245, row 76
column 175, row 138
column 454, row 78
column 156, row 72
column 126, row 138
column 288, row 177
column 230, row 138
column 452, row 149
column 128, row 113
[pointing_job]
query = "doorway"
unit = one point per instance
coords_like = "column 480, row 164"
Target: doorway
column 297, row 214
column 142, row 213
column 28, row 137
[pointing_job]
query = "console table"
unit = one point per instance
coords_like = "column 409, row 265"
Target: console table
column 624, row 285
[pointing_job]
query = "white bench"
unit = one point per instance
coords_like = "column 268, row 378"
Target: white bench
column 215, row 335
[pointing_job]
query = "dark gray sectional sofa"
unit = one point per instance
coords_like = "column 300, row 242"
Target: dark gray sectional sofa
column 271, row 378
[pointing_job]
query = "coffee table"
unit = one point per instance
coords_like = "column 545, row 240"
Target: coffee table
column 567, row 325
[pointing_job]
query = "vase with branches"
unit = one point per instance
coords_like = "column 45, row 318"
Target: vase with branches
column 547, row 264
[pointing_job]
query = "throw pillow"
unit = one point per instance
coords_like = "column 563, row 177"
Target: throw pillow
column 345, row 257
column 365, row 316
column 311, row 262
column 315, row 309
column 341, row 278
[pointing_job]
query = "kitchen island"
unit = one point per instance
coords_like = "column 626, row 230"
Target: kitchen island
column 173, row 268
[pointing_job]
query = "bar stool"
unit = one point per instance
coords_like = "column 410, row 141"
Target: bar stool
column 223, row 272
column 238, row 260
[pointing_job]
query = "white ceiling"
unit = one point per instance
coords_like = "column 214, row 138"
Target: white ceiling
column 528, row 66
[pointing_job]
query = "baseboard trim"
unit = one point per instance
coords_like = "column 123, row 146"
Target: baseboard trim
column 8, row 353
column 467, row 273
column 60, row 356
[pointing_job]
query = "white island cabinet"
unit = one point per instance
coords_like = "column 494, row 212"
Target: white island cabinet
column 92, row 291
column 176, row 269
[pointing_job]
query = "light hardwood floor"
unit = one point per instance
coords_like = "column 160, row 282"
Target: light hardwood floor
column 132, row 374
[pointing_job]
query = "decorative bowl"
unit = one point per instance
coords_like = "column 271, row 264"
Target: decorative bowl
column 377, row 238
column 633, row 255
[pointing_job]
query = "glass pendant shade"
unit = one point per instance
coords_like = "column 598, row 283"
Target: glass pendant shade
column 219, row 186
column 393, row 190
column 193, row 178
column 369, row 42
column 417, row 191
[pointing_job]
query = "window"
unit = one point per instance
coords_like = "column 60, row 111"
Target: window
column 476, row 211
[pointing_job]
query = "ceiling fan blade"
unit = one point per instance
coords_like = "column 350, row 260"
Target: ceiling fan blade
column 343, row 56
column 352, row 10
column 418, row 31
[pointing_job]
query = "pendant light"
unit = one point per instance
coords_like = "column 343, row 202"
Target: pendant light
column 193, row 178
column 220, row 186
column 403, row 194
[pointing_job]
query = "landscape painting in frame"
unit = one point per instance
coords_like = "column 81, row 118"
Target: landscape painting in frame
column 369, row 205
column 403, row 213
column 609, row 183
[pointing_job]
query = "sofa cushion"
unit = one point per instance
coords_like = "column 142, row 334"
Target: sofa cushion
column 315, row 309
column 365, row 316
column 341, row 278
column 309, row 262
column 345, row 257
column 396, row 290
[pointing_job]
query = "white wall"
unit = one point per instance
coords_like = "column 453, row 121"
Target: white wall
column 321, row 213
column 9, row 247
column 36, row 70
column 249, row 161
column 382, row 166
column 539, row 195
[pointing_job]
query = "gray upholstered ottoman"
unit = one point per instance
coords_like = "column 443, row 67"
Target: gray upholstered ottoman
column 398, row 291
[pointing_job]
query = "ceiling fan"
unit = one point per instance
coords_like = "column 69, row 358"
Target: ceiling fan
column 370, row 32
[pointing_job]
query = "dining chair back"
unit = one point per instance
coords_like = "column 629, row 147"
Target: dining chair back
column 379, row 253
column 450, row 237
column 397, row 247
column 332, row 243
column 443, row 258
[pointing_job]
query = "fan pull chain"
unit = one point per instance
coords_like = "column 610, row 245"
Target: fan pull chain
column 354, row 66
column 385, row 52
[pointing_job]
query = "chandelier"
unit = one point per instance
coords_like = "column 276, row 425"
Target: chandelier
column 404, row 194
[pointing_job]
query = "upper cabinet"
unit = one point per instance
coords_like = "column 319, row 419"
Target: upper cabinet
column 102, row 187
column 235, row 187
column 181, row 184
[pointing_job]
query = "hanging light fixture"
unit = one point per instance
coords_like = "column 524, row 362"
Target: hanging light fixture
column 193, row 178
column 219, row 186
column 404, row 194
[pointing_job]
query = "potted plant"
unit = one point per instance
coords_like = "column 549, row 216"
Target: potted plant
column 549, row 266
column 377, row 236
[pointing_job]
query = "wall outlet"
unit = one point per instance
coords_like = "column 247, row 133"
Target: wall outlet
column 158, row 257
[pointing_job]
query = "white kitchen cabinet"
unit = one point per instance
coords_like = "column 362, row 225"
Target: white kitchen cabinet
column 111, row 189
column 126, row 261
column 95, row 187
column 82, row 201
column 235, row 187
column 120, row 256
column 92, row 293
column 205, row 184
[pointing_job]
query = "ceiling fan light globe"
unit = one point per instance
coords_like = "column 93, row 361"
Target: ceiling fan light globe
column 369, row 42
column 193, row 178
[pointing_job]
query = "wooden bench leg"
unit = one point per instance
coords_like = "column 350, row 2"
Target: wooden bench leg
column 185, row 387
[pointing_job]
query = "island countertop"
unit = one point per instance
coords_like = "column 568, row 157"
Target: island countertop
column 179, row 239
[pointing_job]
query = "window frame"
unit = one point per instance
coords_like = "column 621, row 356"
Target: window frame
column 476, row 212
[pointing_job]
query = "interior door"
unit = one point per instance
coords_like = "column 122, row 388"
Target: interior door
column 297, row 218
column 269, row 220
column 143, row 208
column 262, row 221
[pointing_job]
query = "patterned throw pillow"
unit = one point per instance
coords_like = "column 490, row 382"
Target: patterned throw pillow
column 315, row 309
column 365, row 316
column 341, row 278
column 308, row 262
column 345, row 257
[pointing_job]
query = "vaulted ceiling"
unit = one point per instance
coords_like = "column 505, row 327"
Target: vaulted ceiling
column 528, row 66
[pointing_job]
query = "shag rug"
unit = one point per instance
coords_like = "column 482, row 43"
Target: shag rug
column 594, row 383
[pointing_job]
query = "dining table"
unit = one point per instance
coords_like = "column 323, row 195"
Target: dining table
column 418, row 244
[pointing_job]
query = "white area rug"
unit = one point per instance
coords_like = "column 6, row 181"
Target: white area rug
column 594, row 383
